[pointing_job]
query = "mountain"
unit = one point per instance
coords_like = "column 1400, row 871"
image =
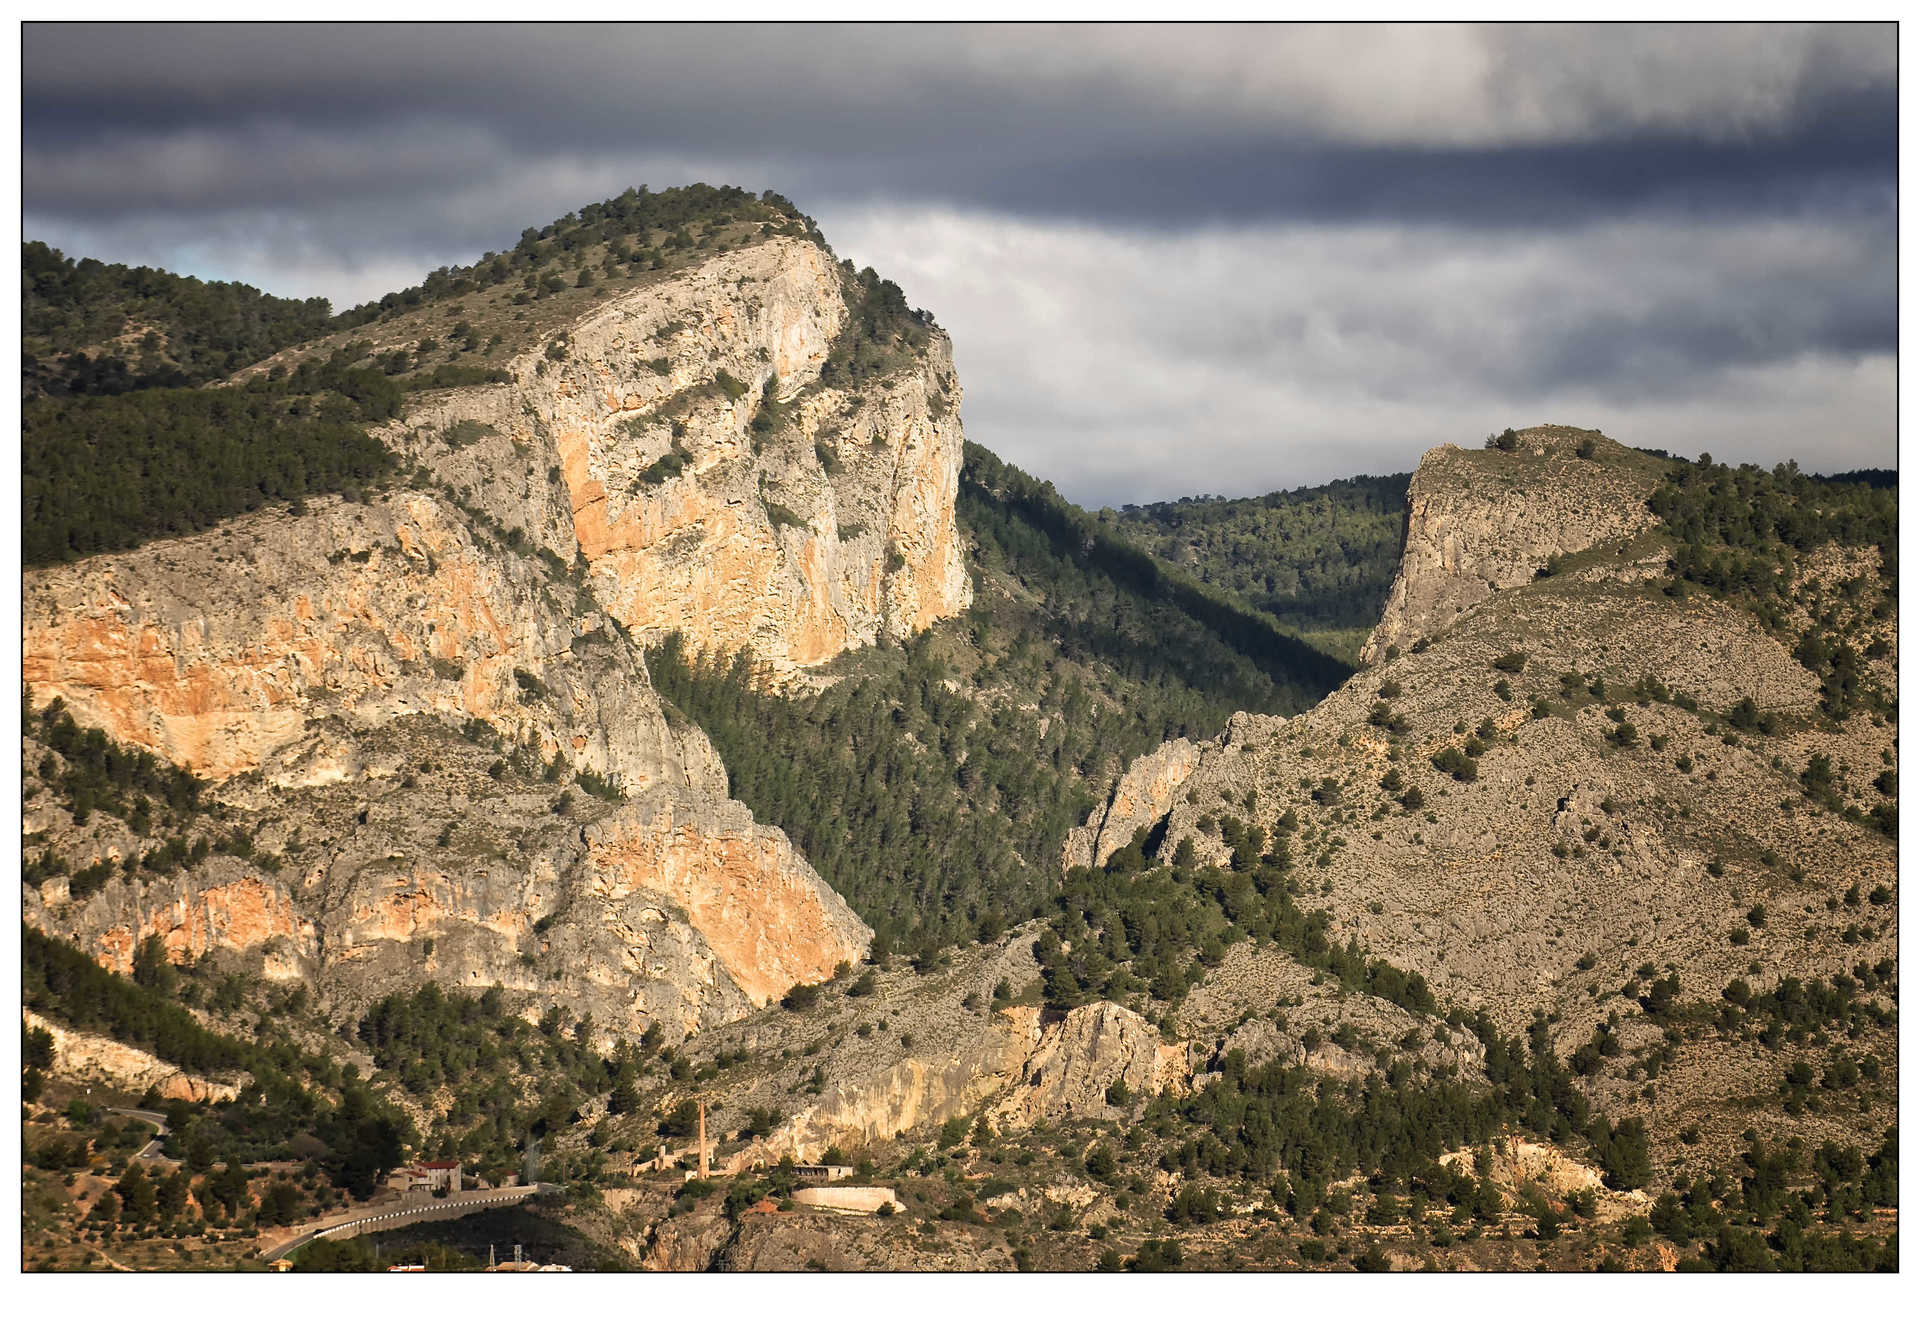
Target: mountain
column 1561, row 936
column 935, row 782
column 390, row 690
column 1621, row 768
column 598, row 693
column 92, row 328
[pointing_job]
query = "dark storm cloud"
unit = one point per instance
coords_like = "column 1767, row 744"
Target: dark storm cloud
column 1030, row 120
column 1674, row 221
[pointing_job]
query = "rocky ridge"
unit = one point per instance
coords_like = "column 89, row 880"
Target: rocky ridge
column 680, row 442
column 381, row 671
column 1582, row 852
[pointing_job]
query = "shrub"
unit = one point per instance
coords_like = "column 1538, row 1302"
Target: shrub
column 467, row 431
column 1457, row 765
column 1513, row 661
column 781, row 516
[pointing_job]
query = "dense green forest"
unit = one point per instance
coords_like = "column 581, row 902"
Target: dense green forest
column 106, row 473
column 513, row 1083
column 147, row 328
column 934, row 784
column 1130, row 933
column 1318, row 560
column 1122, row 606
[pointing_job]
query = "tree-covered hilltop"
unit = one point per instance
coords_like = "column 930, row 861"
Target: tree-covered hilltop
column 934, row 783
column 634, row 232
column 106, row 473
column 88, row 327
column 1318, row 560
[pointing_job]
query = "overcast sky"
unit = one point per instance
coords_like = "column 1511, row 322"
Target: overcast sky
column 1173, row 260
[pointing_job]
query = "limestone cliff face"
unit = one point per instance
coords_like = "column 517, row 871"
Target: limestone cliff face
column 1485, row 520
column 769, row 921
column 797, row 527
column 389, row 693
column 673, row 907
column 220, row 651
column 1025, row 1066
column 1141, row 796
column 1071, row 1066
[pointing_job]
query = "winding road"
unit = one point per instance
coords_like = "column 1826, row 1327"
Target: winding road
column 150, row 1152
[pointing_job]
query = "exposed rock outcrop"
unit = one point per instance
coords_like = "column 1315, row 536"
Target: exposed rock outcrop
column 769, row 921
column 1141, row 796
column 1072, row 1066
column 223, row 652
column 1483, row 520
column 1026, row 1065
column 673, row 907
column 710, row 481
column 92, row 1058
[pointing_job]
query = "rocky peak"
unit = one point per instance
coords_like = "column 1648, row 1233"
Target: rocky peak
column 686, row 444
column 1484, row 520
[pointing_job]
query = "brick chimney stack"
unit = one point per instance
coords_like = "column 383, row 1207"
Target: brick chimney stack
column 703, row 1138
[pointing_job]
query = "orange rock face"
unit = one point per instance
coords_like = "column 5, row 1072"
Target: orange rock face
column 768, row 919
column 218, row 651
column 215, row 672
column 797, row 545
column 214, row 715
column 238, row 916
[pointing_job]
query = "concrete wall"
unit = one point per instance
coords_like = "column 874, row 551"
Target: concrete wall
column 866, row 1200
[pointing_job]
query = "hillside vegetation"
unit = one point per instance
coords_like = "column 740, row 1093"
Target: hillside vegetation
column 1318, row 560
column 933, row 784
column 126, row 438
column 1563, row 937
column 88, row 327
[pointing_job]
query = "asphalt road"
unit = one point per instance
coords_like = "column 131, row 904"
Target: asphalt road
column 158, row 1121
column 398, row 1217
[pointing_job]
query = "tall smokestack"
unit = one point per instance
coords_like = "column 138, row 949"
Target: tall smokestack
column 703, row 1138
